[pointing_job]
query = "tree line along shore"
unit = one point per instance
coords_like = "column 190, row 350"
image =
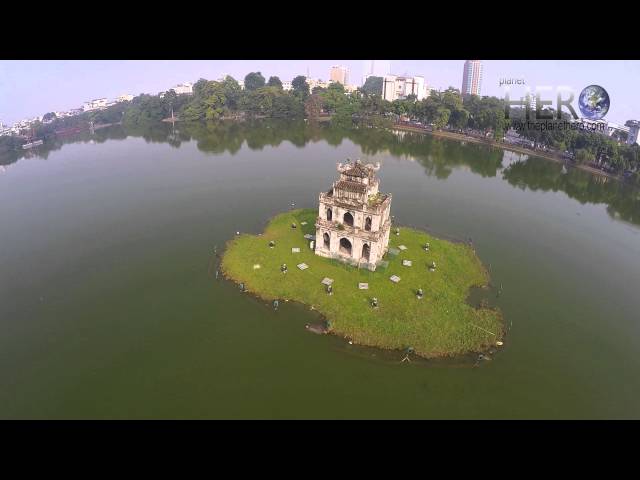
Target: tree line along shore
column 443, row 112
column 555, row 156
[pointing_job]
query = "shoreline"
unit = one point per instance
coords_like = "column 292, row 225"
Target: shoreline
column 468, row 359
column 512, row 148
column 350, row 332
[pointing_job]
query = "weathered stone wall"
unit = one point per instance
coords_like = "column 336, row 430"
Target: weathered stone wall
column 377, row 238
column 359, row 217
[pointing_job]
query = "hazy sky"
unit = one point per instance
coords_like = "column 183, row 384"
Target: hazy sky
column 32, row 88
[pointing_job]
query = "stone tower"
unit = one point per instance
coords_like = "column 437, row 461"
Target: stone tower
column 353, row 221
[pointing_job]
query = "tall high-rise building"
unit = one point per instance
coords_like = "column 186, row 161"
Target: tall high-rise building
column 339, row 73
column 471, row 77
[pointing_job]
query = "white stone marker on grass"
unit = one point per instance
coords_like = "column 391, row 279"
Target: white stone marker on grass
column 402, row 247
column 303, row 266
column 303, row 223
column 295, row 250
column 256, row 266
column 407, row 263
column 327, row 281
column 394, row 278
column 363, row 286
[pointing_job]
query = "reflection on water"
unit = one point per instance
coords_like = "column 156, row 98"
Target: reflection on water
column 439, row 157
column 109, row 306
column 622, row 200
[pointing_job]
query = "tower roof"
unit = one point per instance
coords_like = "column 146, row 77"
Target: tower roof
column 357, row 170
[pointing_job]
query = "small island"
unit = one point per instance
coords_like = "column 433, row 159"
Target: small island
column 402, row 290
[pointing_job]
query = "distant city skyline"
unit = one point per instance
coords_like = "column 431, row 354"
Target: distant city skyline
column 32, row 88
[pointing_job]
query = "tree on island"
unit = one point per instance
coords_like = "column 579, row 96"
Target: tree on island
column 274, row 82
column 258, row 101
column 286, row 105
column 170, row 97
column 253, row 81
column 209, row 101
column 333, row 97
column 371, row 104
column 313, row 106
column 49, row 117
column 441, row 118
column 300, row 87
column 373, row 85
column 232, row 93
column 459, row 118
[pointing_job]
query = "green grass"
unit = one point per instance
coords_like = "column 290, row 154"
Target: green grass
column 441, row 324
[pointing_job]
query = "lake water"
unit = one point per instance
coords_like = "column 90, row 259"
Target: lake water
column 107, row 309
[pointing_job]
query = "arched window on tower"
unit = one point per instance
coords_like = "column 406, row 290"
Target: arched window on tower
column 329, row 214
column 327, row 241
column 345, row 246
column 367, row 224
column 348, row 219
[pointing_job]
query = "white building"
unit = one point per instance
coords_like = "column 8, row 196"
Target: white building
column 286, row 86
column 631, row 128
column 531, row 100
column 613, row 128
column 183, row 88
column 313, row 83
column 396, row 87
column 124, row 98
column 97, row 104
column 634, row 128
column 24, row 124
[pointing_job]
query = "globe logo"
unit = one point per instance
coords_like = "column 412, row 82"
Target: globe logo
column 594, row 102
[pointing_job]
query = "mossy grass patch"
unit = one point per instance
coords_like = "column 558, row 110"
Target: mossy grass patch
column 442, row 323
